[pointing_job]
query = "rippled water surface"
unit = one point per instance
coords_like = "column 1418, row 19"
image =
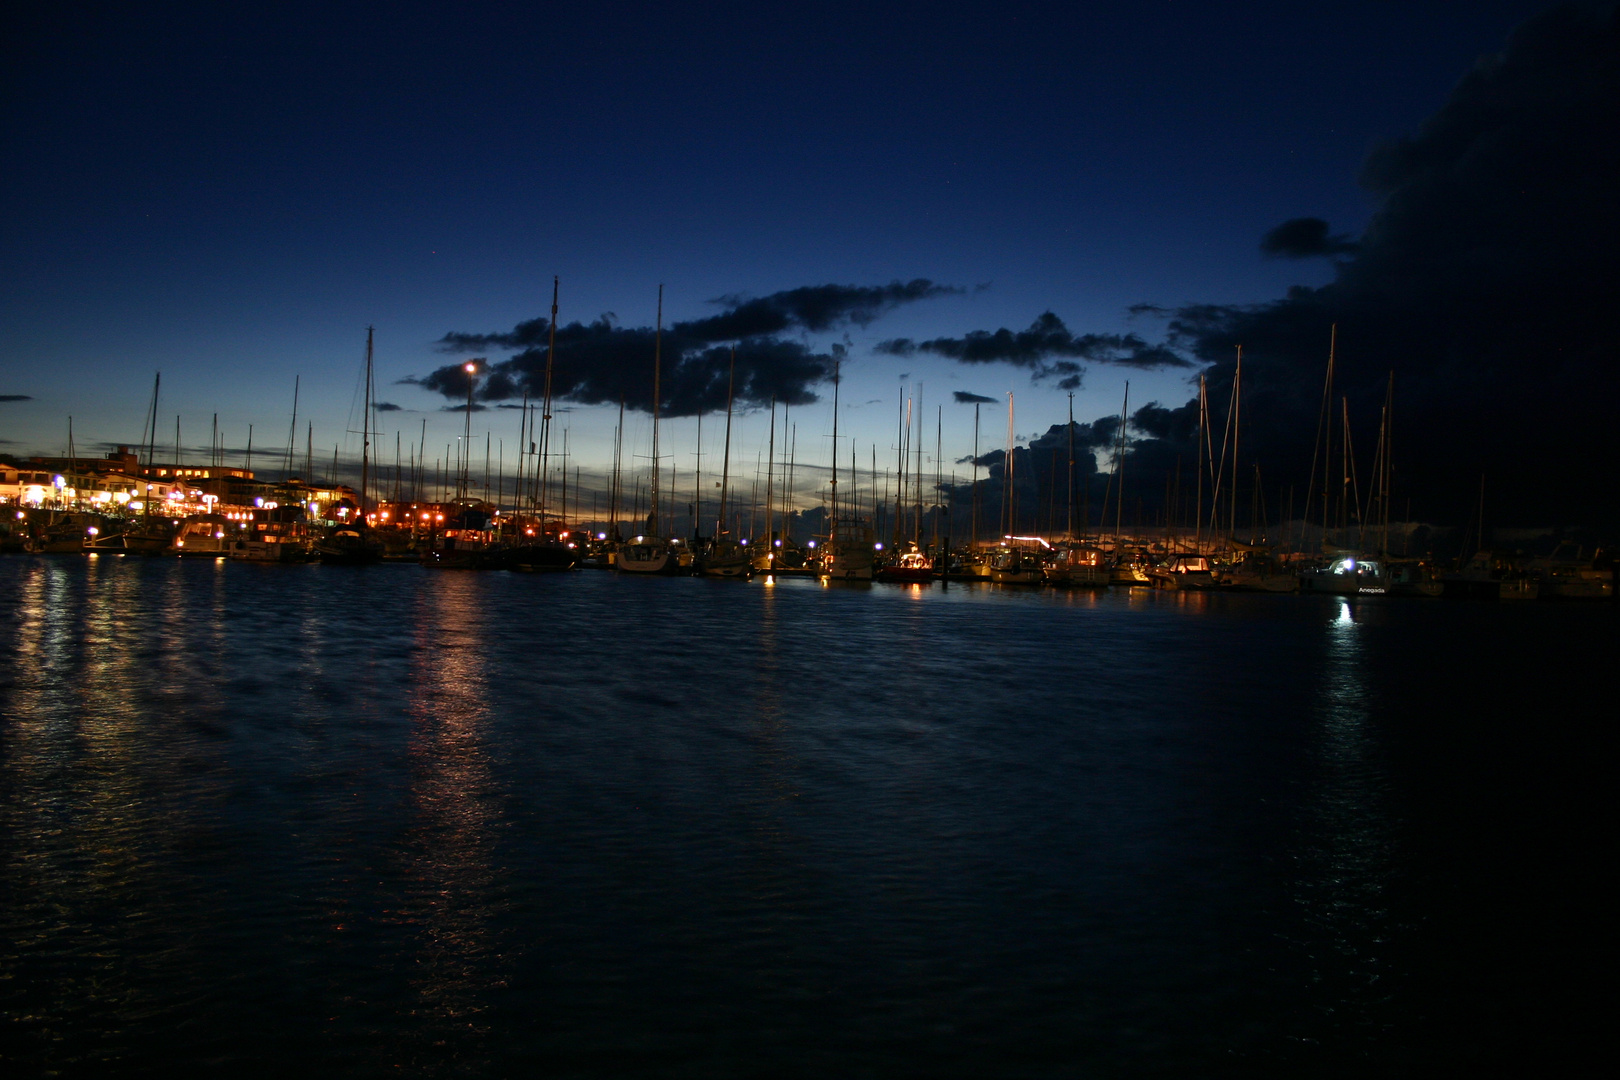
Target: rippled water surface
column 388, row 821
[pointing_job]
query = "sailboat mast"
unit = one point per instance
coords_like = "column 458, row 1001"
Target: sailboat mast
column 1327, row 436
column 697, row 483
column 770, row 492
column 975, row 508
column 618, row 486
column 1119, row 466
column 939, row 443
column 725, row 461
column 832, row 511
column 151, row 449
column 1237, row 413
column 292, row 433
column 658, row 364
column 365, row 429
column 1008, row 509
column 1070, row 528
column 545, row 408
column 1203, row 437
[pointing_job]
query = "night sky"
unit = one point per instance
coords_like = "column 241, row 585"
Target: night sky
column 234, row 197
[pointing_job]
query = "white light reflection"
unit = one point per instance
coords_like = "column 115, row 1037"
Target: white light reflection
column 1348, row 835
column 455, row 812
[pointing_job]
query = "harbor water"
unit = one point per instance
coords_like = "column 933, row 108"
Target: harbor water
column 256, row 820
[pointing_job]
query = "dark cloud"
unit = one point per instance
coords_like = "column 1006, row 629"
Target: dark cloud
column 1304, row 238
column 385, row 406
column 602, row 362
column 964, row 398
column 15, row 397
column 1486, row 281
column 1047, row 348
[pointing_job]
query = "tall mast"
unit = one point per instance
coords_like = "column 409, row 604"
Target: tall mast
column 1119, row 466
column 1009, row 505
column 545, row 408
column 1237, row 414
column 522, row 444
column 770, row 492
column 618, row 493
column 419, row 471
column 974, row 542
column 832, row 511
column 1071, row 466
column 697, row 484
column 939, row 444
column 365, row 428
column 463, row 482
column 725, row 462
column 1203, row 437
column 151, row 449
column 658, row 362
column 903, row 427
column 292, row 432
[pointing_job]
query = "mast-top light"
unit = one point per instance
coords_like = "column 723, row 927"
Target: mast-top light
column 470, row 367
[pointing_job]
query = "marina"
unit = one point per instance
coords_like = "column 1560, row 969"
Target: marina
column 254, row 815
column 1075, row 541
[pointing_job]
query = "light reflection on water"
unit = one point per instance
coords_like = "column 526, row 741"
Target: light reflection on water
column 449, row 874
column 1347, row 847
column 457, row 824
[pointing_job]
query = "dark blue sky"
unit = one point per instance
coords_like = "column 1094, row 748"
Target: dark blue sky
column 234, row 197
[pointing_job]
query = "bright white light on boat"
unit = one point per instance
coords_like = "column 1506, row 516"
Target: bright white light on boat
column 779, row 543
column 259, row 501
column 878, row 547
column 812, row 543
column 601, row 536
column 58, row 482
column 92, row 530
column 470, row 368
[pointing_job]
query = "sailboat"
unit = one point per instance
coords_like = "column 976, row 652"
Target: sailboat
column 909, row 564
column 354, row 543
column 849, row 552
column 724, row 556
column 648, row 552
column 550, row 550
column 153, row 535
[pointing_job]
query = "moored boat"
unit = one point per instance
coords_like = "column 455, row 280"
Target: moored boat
column 910, row 568
column 1076, row 565
column 1183, row 572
